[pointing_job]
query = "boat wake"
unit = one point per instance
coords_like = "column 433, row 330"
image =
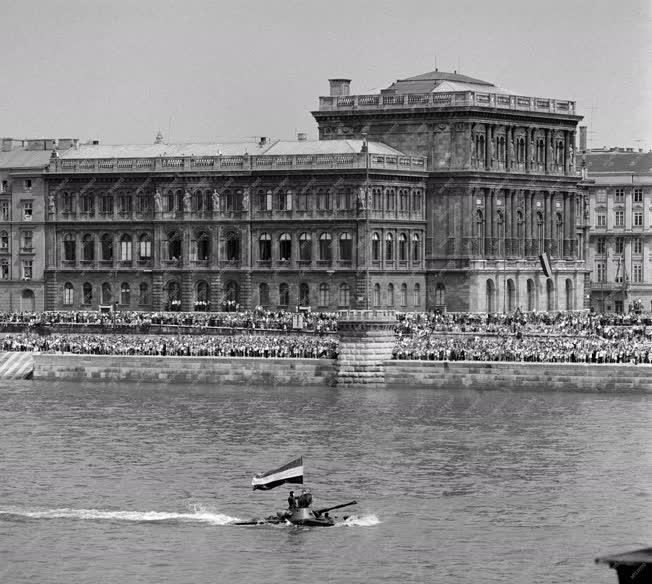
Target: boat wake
column 198, row 515
column 358, row 521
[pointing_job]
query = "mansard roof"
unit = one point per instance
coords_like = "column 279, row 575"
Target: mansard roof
column 22, row 158
column 617, row 162
column 272, row 148
column 440, row 81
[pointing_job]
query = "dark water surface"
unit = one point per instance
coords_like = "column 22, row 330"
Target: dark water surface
column 137, row 484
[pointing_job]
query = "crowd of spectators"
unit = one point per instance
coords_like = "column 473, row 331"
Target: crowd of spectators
column 556, row 337
column 292, row 345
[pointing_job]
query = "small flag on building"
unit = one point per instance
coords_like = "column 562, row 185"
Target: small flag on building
column 292, row 472
column 545, row 264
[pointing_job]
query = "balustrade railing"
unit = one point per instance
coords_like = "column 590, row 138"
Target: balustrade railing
column 446, row 99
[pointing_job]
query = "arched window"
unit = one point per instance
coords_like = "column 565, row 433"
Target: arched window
column 344, row 199
column 285, row 200
column 346, row 247
column 325, row 249
column 390, row 200
column 323, row 200
column 265, row 247
column 169, row 201
column 375, row 247
column 479, row 231
column 232, row 246
column 125, row 294
column 261, row 197
column 501, row 149
column 390, row 294
column 440, row 294
column 324, row 294
column 69, row 247
column 480, row 148
column 521, row 150
column 202, row 296
column 531, row 300
column 229, row 200
column 305, row 247
column 376, row 294
column 125, row 248
column 107, row 296
column 377, row 199
column 4, row 240
column 145, row 250
column 511, row 295
column 208, row 201
column 570, row 304
column 403, row 200
column 559, row 227
column 284, row 295
column 285, row 247
column 106, row 243
column 179, row 202
column 143, row 294
column 404, row 295
column 304, row 295
column 87, row 293
column 389, row 247
column 303, row 200
column 68, row 294
column 491, row 296
column 416, row 201
column 402, row 247
column 173, row 296
column 345, row 295
column 174, row 246
column 550, row 294
column 203, row 246
column 417, row 295
column 88, row 248
column 416, row 247
column 198, row 201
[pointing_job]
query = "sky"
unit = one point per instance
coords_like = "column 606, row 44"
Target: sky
column 213, row 71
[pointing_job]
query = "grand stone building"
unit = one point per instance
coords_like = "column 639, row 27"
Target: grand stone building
column 216, row 226
column 440, row 191
column 501, row 186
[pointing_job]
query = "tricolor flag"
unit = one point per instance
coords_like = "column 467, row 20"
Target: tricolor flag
column 292, row 472
column 545, row 264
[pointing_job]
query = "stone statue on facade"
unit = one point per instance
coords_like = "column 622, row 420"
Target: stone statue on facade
column 187, row 202
column 158, row 201
column 245, row 200
column 216, row 200
column 362, row 199
column 571, row 158
column 51, row 205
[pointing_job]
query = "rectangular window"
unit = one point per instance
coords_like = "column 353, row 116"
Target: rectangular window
column 600, row 245
column 28, row 185
column 125, row 251
column 88, row 204
column 27, row 269
column 4, row 270
column 106, row 204
column 620, row 218
column 66, row 202
column 26, row 241
column 638, row 195
column 637, row 273
column 145, row 249
column 125, row 203
column 4, row 210
column 620, row 243
column 601, row 196
column 638, row 245
column 602, row 271
column 27, row 210
column 620, row 195
column 5, row 186
column 638, row 219
column 602, row 220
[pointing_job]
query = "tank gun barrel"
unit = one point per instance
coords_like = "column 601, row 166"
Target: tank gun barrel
column 327, row 509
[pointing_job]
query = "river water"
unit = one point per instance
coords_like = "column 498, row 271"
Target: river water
column 104, row 483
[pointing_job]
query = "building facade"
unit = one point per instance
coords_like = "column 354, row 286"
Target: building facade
column 278, row 225
column 619, row 189
column 22, row 234
column 501, row 187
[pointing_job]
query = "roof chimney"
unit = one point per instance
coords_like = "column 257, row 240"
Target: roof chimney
column 263, row 141
column 583, row 130
column 340, row 87
column 302, row 136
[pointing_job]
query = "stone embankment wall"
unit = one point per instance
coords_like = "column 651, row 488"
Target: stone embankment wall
column 216, row 370
column 519, row 376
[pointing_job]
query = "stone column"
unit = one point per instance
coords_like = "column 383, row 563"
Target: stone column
column 366, row 342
